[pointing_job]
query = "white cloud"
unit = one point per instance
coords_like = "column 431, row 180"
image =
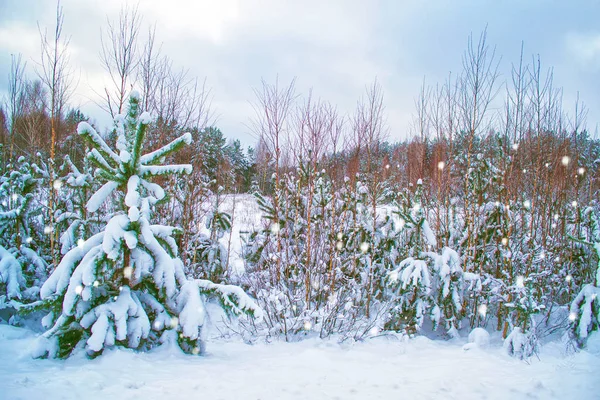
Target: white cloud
column 203, row 19
column 585, row 47
column 16, row 37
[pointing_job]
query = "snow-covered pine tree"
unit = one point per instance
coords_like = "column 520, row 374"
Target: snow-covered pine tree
column 367, row 253
column 448, row 290
column 22, row 269
column 126, row 285
column 71, row 215
column 523, row 342
column 585, row 308
column 210, row 255
column 411, row 280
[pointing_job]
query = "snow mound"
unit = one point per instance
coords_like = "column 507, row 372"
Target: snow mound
column 593, row 344
column 478, row 338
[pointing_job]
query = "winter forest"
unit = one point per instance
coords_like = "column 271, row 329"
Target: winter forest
column 475, row 238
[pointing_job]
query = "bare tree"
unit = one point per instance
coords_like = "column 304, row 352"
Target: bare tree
column 16, row 87
column 31, row 127
column 370, row 129
column 270, row 124
column 172, row 96
column 56, row 74
column 119, row 58
column 476, row 92
column 477, row 84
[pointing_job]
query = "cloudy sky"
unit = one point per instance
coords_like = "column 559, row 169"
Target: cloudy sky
column 335, row 47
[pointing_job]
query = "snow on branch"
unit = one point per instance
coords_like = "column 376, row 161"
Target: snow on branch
column 155, row 170
column 90, row 134
column 11, row 274
column 232, row 298
column 157, row 155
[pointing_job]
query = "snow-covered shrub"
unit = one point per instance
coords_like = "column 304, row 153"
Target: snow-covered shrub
column 126, row 285
column 521, row 345
column 449, row 287
column 524, row 305
column 411, row 279
column 320, row 261
column 209, row 256
column 478, row 338
column 22, row 268
column 585, row 308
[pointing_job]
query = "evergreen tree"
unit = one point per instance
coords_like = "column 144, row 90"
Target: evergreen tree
column 585, row 308
column 22, row 267
column 126, row 285
column 411, row 280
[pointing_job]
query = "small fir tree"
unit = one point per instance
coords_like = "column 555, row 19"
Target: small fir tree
column 126, row 285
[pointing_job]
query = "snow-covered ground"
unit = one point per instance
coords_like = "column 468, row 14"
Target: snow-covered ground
column 379, row 368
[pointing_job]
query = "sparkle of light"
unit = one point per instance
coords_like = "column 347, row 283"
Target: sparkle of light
column 364, row 247
column 275, row 228
column 441, row 165
column 78, row 289
column 57, row 184
column 520, row 281
column 572, row 317
column 80, row 243
column 565, row 160
column 482, row 310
